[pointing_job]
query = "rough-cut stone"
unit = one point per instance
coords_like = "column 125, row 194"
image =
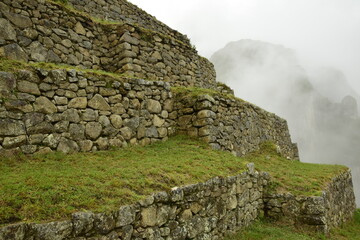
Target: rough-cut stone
column 28, row 87
column 18, row 20
column 52, row 140
column 126, row 132
column 152, row 132
column 85, row 145
column 93, row 130
column 132, row 123
column 71, row 115
column 53, row 230
column 153, row 106
column 158, row 122
column 103, row 143
column 83, row 223
column 149, row 217
column 89, row 115
column 38, row 52
column 104, row 223
column 44, row 105
column 116, row 121
column 126, row 216
column 43, row 127
column 7, row 84
column 79, row 29
column 10, row 127
column 99, row 103
column 18, row 105
column 77, row 131
column 12, row 142
column 16, row 231
column 7, row 32
column 67, row 146
column 79, row 102
column 14, row 51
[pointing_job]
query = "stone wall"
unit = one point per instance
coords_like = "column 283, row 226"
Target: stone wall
column 232, row 124
column 69, row 111
column 201, row 211
column 42, row 31
column 334, row 207
column 122, row 10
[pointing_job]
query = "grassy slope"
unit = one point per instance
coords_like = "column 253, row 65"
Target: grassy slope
column 266, row 230
column 53, row 186
column 293, row 176
column 47, row 187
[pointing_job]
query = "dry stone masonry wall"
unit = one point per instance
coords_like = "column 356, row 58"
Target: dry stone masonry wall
column 70, row 111
column 42, row 31
column 232, row 125
column 334, row 207
column 201, row 211
column 120, row 10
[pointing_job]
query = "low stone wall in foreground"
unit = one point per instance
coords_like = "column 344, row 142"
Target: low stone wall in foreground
column 335, row 206
column 200, row 211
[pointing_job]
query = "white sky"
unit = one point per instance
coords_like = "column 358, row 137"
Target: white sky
column 324, row 32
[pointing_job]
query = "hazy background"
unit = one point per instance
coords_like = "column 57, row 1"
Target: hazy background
column 319, row 64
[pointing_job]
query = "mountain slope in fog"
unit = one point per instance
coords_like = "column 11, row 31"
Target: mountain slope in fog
column 319, row 105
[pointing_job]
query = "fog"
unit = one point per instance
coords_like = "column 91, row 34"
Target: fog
column 306, row 60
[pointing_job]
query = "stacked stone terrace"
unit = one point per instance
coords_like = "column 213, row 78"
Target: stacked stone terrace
column 44, row 109
column 68, row 110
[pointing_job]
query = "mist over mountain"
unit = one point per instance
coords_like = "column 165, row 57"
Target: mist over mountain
column 320, row 106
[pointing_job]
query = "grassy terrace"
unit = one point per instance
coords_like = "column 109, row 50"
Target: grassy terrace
column 52, row 186
column 299, row 178
column 266, row 230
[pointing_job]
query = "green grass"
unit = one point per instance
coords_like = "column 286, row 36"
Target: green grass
column 195, row 92
column 267, row 230
column 35, row 188
column 8, row 65
column 52, row 186
column 299, row 178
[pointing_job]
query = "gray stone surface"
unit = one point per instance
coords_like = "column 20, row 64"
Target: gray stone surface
column 7, row 32
column 7, row 84
column 14, row 51
column 44, row 105
column 99, row 103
